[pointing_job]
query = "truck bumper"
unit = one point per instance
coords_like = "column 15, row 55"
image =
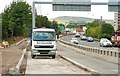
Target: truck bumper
column 43, row 52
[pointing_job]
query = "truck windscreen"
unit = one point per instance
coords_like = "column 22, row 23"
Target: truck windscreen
column 43, row 36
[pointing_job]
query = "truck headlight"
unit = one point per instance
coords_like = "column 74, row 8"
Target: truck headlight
column 34, row 51
column 52, row 51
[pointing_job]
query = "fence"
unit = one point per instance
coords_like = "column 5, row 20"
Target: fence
column 107, row 55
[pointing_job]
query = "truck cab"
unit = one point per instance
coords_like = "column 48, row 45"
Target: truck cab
column 43, row 42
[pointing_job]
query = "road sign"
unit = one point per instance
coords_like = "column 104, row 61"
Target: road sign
column 76, row 5
column 114, row 6
column 71, row 5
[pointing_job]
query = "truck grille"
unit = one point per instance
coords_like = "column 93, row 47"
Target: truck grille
column 38, row 46
column 43, row 51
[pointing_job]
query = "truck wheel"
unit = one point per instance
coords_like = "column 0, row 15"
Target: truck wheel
column 33, row 56
column 53, row 56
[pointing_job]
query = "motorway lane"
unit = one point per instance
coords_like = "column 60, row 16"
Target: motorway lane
column 46, row 65
column 101, row 66
column 90, row 44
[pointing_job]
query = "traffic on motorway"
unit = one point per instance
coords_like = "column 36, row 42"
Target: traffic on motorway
column 90, row 42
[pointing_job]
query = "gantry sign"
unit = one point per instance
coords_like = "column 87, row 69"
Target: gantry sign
column 114, row 5
column 76, row 5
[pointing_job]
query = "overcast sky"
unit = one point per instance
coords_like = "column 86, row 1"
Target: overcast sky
column 96, row 10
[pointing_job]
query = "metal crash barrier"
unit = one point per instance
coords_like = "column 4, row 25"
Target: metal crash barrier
column 104, row 54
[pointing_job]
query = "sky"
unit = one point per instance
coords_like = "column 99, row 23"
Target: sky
column 44, row 9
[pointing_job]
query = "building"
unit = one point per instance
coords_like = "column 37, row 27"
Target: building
column 116, row 20
column 77, row 22
column 79, row 29
column 75, row 30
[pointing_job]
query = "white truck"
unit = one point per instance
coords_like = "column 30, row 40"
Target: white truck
column 43, row 42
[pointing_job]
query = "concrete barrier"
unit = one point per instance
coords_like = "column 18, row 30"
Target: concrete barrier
column 20, row 41
column 85, row 68
column 16, row 70
column 104, row 54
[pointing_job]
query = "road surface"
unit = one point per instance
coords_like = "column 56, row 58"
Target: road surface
column 85, row 43
column 103, row 67
column 46, row 65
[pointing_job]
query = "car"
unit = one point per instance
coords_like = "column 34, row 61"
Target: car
column 77, row 35
column 90, row 39
column 105, row 42
column 83, row 37
column 74, row 40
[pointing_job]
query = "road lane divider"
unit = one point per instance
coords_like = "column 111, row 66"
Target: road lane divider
column 104, row 54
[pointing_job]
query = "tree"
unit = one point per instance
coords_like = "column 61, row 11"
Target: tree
column 42, row 21
column 61, row 27
column 0, row 27
column 107, row 30
column 54, row 25
column 74, row 26
column 15, row 19
column 71, row 26
column 98, row 30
